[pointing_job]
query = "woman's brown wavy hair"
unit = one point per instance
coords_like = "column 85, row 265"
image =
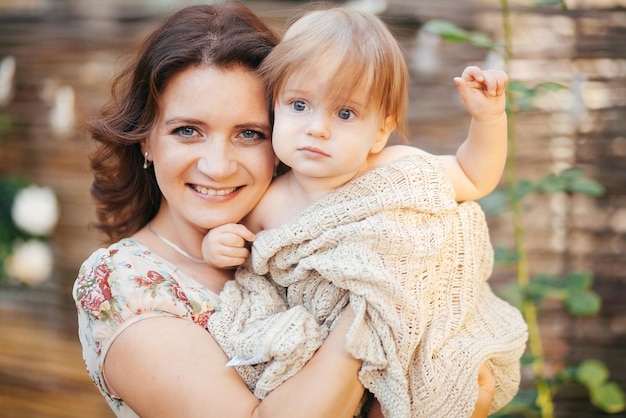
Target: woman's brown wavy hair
column 223, row 35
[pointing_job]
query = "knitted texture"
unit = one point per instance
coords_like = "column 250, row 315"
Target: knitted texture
column 413, row 265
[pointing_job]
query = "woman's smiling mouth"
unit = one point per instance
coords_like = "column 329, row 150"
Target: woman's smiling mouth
column 213, row 192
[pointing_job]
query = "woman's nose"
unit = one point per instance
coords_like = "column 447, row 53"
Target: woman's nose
column 219, row 161
column 318, row 126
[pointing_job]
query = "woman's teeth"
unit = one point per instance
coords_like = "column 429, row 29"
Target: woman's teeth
column 213, row 192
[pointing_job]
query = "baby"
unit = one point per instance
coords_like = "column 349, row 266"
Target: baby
column 379, row 227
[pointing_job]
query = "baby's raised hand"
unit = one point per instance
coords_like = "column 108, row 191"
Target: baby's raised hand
column 225, row 245
column 482, row 92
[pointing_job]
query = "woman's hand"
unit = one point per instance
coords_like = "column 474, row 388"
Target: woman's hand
column 486, row 387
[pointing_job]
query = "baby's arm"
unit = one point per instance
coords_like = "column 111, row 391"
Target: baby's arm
column 479, row 162
column 225, row 245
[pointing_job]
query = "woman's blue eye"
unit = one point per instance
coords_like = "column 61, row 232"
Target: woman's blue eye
column 299, row 105
column 250, row 134
column 186, row 131
column 345, row 114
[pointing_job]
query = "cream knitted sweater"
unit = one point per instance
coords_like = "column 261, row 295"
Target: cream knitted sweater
column 412, row 263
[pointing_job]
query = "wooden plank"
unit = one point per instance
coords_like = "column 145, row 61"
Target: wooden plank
column 42, row 373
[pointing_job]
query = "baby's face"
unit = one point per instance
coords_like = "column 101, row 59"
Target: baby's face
column 320, row 133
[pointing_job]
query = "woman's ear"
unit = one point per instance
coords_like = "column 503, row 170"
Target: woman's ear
column 389, row 125
column 145, row 151
column 144, row 147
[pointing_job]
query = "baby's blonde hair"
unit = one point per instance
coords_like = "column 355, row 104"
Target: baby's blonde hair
column 360, row 47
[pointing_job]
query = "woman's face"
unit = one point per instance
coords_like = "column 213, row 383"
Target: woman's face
column 211, row 146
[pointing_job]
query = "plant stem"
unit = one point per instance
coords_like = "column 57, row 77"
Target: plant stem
column 544, row 396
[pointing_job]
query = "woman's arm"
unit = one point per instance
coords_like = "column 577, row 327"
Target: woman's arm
column 164, row 367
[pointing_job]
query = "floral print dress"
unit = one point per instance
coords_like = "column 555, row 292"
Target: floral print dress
column 118, row 286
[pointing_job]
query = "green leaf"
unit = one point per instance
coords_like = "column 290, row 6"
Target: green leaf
column 571, row 180
column 518, row 87
column 572, row 174
column 521, row 96
column 451, row 32
column 447, row 30
column 504, row 256
column 512, row 294
column 609, row 397
column 544, row 279
column 523, row 404
column 583, row 303
column 592, row 373
column 481, row 40
column 523, row 188
column 578, row 281
column 528, row 359
column 551, row 183
column 576, row 182
column 547, row 2
column 9, row 188
column 550, row 86
column 540, row 287
column 587, row 187
column 567, row 374
column 495, row 202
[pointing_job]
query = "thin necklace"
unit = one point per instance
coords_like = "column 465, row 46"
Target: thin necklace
column 175, row 247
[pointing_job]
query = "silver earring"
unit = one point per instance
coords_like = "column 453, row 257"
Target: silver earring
column 146, row 163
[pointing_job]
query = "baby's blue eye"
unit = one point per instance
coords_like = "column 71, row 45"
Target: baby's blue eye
column 299, row 105
column 345, row 114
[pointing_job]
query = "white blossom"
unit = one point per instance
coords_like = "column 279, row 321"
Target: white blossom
column 35, row 210
column 31, row 262
column 63, row 115
column 7, row 75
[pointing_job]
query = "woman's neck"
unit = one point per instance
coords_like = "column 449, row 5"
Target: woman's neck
column 210, row 277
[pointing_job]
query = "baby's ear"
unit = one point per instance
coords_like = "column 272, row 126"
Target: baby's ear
column 389, row 125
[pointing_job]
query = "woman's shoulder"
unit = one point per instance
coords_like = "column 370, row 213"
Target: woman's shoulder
column 128, row 279
column 123, row 284
column 111, row 266
column 124, row 251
